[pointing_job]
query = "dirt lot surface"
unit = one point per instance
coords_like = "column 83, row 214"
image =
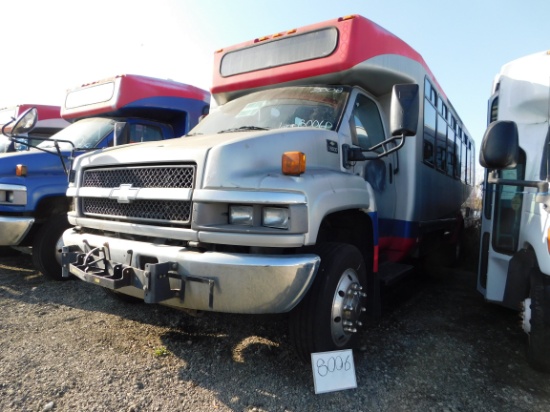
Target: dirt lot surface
column 69, row 346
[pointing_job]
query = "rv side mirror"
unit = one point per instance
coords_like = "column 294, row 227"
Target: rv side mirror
column 23, row 124
column 499, row 147
column 404, row 110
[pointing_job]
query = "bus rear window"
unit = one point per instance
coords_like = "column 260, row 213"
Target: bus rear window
column 287, row 50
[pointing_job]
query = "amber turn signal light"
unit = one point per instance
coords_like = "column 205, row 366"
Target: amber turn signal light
column 21, row 170
column 294, row 163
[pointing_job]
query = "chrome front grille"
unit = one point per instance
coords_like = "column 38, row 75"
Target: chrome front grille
column 156, row 210
column 159, row 176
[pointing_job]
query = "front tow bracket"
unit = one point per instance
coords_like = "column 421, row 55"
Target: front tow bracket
column 95, row 266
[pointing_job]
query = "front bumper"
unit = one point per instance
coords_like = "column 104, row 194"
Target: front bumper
column 14, row 229
column 187, row 279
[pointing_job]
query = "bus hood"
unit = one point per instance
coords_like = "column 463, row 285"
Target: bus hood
column 227, row 159
column 37, row 163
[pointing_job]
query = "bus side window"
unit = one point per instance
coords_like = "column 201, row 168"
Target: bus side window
column 366, row 124
column 138, row 133
column 429, row 132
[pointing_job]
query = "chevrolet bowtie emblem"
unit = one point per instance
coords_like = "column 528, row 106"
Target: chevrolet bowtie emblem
column 124, row 193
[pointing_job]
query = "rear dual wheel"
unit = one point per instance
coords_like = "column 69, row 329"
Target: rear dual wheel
column 332, row 313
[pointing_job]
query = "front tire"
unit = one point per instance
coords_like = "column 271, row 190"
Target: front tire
column 46, row 247
column 538, row 350
column 331, row 314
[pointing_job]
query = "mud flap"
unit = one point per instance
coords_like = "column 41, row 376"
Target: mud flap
column 517, row 280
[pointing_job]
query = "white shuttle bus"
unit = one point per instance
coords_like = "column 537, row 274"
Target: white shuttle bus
column 514, row 267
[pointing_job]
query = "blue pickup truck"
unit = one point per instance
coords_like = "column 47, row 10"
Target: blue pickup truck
column 124, row 109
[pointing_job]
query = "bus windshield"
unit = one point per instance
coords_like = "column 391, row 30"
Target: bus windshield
column 84, row 134
column 304, row 106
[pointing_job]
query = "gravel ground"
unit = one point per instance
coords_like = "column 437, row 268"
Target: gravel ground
column 69, row 346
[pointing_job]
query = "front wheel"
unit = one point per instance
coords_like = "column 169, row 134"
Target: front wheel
column 46, row 247
column 538, row 322
column 331, row 314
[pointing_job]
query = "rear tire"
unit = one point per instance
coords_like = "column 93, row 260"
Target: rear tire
column 538, row 350
column 46, row 247
column 331, row 314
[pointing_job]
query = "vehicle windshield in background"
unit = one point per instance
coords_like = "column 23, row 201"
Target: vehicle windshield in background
column 304, row 106
column 84, row 134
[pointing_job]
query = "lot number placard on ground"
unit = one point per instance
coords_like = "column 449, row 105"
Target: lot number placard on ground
column 333, row 371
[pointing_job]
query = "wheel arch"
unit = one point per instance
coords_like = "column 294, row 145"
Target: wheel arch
column 46, row 208
column 52, row 205
column 354, row 227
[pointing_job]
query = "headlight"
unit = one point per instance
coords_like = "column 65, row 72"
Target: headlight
column 240, row 215
column 276, row 217
column 13, row 195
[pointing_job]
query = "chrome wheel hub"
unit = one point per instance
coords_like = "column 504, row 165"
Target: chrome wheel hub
column 347, row 307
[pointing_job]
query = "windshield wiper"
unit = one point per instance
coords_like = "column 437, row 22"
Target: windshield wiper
column 242, row 129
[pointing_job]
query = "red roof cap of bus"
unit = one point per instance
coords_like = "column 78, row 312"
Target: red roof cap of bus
column 133, row 87
column 44, row 111
column 346, row 55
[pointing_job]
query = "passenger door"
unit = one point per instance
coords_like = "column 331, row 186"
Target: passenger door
column 500, row 231
column 367, row 130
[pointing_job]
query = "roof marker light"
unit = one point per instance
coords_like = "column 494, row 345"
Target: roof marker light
column 348, row 17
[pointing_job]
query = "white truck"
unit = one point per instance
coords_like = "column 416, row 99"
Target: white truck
column 297, row 195
column 514, row 268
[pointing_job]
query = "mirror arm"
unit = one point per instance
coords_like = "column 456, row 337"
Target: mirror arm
column 542, row 195
column 400, row 139
column 541, row 186
column 356, row 154
column 6, row 125
column 57, row 149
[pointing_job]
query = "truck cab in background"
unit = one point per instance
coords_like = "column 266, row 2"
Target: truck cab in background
column 514, row 266
column 120, row 110
column 48, row 123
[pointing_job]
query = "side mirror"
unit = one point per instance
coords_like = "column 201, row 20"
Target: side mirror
column 23, row 124
column 499, row 147
column 404, row 110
